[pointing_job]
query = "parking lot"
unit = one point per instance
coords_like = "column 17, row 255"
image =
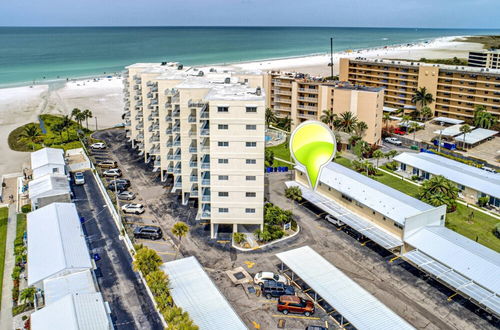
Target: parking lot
column 411, row 294
column 121, row 287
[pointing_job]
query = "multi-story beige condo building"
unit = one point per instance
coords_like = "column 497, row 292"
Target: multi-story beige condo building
column 301, row 98
column 456, row 89
column 205, row 127
column 487, row 59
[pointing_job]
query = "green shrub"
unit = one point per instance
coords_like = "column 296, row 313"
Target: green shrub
column 496, row 231
column 483, row 201
column 415, row 177
column 16, row 273
column 294, row 225
column 393, row 166
column 20, row 309
column 239, row 238
column 26, row 208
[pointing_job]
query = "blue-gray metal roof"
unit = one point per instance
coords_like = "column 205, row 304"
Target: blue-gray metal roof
column 354, row 303
column 364, row 227
column 194, row 292
column 381, row 198
column 466, row 175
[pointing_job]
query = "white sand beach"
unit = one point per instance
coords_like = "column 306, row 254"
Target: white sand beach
column 103, row 96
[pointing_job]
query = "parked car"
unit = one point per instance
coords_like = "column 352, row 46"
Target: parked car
column 125, row 195
column 399, row 131
column 148, row 232
column 79, row 178
column 294, row 304
column 119, row 187
column 333, row 221
column 315, row 327
column 98, row 145
column 133, row 208
column 112, row 172
column 124, row 182
column 260, row 277
column 393, row 140
column 107, row 164
column 276, row 289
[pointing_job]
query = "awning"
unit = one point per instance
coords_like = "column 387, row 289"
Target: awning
column 364, row 227
column 447, row 120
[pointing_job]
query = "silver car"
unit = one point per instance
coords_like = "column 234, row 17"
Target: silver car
column 126, row 195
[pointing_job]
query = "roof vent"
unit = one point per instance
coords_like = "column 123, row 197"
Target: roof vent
column 227, row 80
column 180, row 67
column 213, row 70
column 201, row 74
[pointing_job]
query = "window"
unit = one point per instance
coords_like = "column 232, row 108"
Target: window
column 251, row 127
column 251, row 194
column 223, row 144
column 347, row 198
column 223, row 177
column 223, row 210
column 251, row 109
column 398, row 225
column 223, row 194
column 251, row 178
column 55, row 170
column 222, row 109
column 403, row 167
column 249, row 210
column 251, row 161
column 251, row 144
column 223, row 161
column 223, row 126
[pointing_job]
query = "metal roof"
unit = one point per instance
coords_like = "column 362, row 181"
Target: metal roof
column 56, row 243
column 462, row 263
column 47, row 156
column 466, row 175
column 477, row 135
column 364, row 227
column 390, row 109
column 73, row 312
column 471, row 259
column 447, row 120
column 375, row 195
column 48, row 185
column 450, row 130
column 59, row 287
column 354, row 303
column 194, row 292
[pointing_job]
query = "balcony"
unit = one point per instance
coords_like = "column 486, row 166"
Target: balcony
column 191, row 119
column 205, row 148
column 177, row 143
column 192, row 133
column 177, row 170
column 154, row 89
column 206, row 198
column 282, row 92
column 139, row 127
column 204, row 115
column 307, row 107
column 196, row 104
column 171, row 92
column 310, row 99
column 168, row 118
column 128, row 123
column 193, row 164
column 193, row 178
column 205, row 214
column 176, row 113
column 193, row 149
column 205, row 182
column 178, row 184
column 309, row 90
column 283, row 84
column 177, row 157
column 193, row 193
column 205, row 165
column 154, row 138
column 169, row 144
column 204, row 132
column 157, row 163
column 168, row 131
column 176, row 129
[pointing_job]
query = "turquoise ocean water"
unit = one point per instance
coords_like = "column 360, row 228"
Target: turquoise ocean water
column 28, row 54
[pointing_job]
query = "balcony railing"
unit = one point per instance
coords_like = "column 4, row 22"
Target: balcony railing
column 204, row 132
column 205, row 182
column 177, row 143
column 176, row 129
column 168, row 118
column 168, row 131
column 191, row 119
column 193, row 164
column 193, row 149
column 205, row 198
column 177, row 170
column 204, row 115
column 205, row 165
column 193, row 178
column 178, row 184
column 194, row 193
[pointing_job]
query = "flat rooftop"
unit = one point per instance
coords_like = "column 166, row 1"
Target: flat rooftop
column 375, row 195
column 466, row 175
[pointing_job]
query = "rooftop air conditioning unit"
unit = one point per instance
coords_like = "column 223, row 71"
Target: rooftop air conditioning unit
column 258, row 91
column 201, row 74
column 227, row 80
column 213, row 70
column 180, row 67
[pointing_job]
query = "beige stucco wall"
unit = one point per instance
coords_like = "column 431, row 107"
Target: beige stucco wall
column 428, row 77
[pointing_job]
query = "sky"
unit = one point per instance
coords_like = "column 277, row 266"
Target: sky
column 369, row 13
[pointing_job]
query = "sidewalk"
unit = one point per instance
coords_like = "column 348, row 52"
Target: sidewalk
column 6, row 312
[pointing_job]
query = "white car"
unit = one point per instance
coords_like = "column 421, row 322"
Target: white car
column 98, row 145
column 260, row 277
column 133, row 208
column 113, row 172
column 79, row 178
column 393, row 140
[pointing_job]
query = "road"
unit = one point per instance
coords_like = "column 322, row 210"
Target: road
column 121, row 287
column 408, row 292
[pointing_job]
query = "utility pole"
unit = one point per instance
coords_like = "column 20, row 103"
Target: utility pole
column 331, row 58
column 95, row 123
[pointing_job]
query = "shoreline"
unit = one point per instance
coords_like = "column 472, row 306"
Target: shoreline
column 309, row 56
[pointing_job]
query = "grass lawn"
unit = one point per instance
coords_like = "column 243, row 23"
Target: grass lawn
column 4, row 214
column 481, row 228
column 67, row 140
column 281, row 151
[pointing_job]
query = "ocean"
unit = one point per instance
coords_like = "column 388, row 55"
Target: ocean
column 38, row 54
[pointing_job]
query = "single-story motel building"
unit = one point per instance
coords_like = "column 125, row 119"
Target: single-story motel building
column 471, row 181
column 409, row 228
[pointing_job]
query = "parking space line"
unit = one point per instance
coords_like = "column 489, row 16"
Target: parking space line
column 270, row 301
column 166, row 253
column 297, row 317
column 152, row 242
column 249, row 264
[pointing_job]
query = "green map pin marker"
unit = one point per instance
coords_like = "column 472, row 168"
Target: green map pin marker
column 313, row 146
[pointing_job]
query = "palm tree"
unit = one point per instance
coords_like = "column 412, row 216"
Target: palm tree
column 483, row 118
column 80, row 117
column 422, row 97
column 286, row 123
column 377, row 154
column 391, row 154
column 28, row 295
column 59, row 129
column 66, row 123
column 87, row 114
column 294, row 193
column 425, row 113
column 329, row 118
column 360, row 128
column 270, row 117
column 147, row 261
column 347, row 122
column 31, row 133
column 368, row 167
column 405, row 120
column 438, row 191
column 465, row 129
column 180, row 229
column 386, row 119
column 414, row 126
column 157, row 282
column 74, row 113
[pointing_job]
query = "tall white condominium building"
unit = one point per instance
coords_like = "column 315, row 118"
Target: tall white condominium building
column 205, row 127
